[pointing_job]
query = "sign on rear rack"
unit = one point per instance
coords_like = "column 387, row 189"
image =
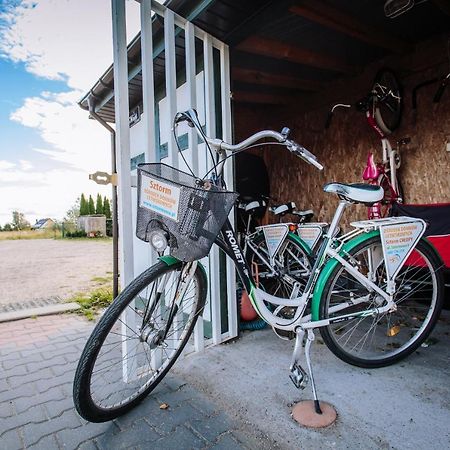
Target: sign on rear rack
column 398, row 242
column 274, row 235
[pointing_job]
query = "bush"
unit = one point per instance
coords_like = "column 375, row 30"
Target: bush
column 92, row 302
column 75, row 234
column 109, row 227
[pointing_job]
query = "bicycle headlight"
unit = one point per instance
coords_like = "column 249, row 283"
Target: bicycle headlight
column 158, row 240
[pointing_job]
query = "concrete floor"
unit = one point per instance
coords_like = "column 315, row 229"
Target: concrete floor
column 402, row 406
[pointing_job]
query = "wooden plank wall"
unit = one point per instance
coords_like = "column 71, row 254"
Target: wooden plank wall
column 343, row 148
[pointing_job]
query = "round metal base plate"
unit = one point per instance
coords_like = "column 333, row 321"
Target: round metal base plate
column 305, row 414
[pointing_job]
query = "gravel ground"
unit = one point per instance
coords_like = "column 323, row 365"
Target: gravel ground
column 47, row 268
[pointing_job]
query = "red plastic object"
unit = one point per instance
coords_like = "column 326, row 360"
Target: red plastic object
column 248, row 313
column 437, row 215
column 371, row 171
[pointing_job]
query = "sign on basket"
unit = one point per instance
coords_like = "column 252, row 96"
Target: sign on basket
column 160, row 197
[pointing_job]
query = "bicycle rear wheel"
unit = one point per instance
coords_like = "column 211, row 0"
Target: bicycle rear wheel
column 129, row 351
column 379, row 340
column 292, row 263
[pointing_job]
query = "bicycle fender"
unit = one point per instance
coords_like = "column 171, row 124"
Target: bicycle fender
column 298, row 240
column 295, row 237
column 328, row 268
column 171, row 261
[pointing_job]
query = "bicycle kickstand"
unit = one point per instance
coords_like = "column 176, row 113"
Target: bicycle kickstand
column 309, row 341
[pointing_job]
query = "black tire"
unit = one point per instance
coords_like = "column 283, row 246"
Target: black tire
column 384, row 339
column 388, row 112
column 87, row 401
column 292, row 259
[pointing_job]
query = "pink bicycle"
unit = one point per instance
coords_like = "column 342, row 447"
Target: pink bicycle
column 382, row 107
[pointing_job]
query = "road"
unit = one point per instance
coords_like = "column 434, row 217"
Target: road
column 47, row 268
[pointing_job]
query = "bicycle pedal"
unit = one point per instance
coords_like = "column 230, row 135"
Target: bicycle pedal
column 299, row 377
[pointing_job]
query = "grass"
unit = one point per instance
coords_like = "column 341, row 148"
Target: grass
column 102, row 279
column 28, row 234
column 92, row 302
column 44, row 234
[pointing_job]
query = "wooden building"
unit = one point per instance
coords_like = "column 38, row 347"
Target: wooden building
column 287, row 62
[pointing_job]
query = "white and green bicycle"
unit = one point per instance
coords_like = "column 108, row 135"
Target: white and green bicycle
column 375, row 293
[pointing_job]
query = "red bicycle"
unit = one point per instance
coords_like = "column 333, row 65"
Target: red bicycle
column 383, row 108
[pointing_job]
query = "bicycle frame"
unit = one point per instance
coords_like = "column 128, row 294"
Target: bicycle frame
column 229, row 244
column 388, row 152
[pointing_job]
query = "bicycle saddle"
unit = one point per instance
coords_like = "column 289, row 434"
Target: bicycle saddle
column 285, row 208
column 304, row 216
column 356, row 192
column 371, row 172
column 252, row 206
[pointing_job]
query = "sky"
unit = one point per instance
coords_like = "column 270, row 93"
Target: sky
column 51, row 53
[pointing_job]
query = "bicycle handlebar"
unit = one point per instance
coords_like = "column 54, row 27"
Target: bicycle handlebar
column 190, row 116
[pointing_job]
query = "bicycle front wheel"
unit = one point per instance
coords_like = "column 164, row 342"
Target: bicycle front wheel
column 137, row 340
column 378, row 340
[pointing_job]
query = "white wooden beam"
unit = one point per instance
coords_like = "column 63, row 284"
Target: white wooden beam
column 122, row 140
column 189, row 39
column 171, row 80
column 210, row 115
column 148, row 87
column 229, row 179
column 124, row 175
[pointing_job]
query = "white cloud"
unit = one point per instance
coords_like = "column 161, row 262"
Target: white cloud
column 73, row 139
column 25, row 165
column 63, row 39
column 6, row 165
column 69, row 40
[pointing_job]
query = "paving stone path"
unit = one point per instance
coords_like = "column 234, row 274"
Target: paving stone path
column 37, row 363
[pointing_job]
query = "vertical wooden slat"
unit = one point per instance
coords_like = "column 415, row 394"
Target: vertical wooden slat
column 123, row 164
column 210, row 113
column 122, row 140
column 171, row 80
column 229, row 178
column 189, row 38
column 148, row 91
column 148, row 101
column 192, row 90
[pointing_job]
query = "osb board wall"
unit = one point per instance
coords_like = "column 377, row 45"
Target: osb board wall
column 343, row 149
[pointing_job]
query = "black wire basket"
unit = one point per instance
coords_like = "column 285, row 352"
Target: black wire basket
column 189, row 210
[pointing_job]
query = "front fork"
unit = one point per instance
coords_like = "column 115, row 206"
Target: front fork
column 186, row 275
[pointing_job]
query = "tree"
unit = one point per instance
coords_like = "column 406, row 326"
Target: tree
column 106, row 208
column 74, row 212
column 91, row 206
column 99, row 205
column 19, row 222
column 84, row 207
column 7, row 227
column 1, row 229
